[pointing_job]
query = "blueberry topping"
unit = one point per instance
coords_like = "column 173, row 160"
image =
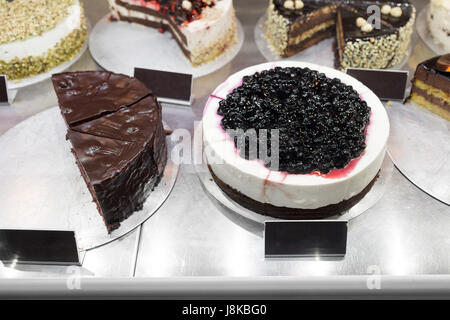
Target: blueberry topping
column 321, row 121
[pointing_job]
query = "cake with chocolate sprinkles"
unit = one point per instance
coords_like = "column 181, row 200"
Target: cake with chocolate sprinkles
column 294, row 140
column 36, row 36
column 293, row 26
column 203, row 29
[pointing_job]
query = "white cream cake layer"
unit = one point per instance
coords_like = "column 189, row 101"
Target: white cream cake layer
column 439, row 22
column 39, row 45
column 116, row 10
column 214, row 23
column 304, row 191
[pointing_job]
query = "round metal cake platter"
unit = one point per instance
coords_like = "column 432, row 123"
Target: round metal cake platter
column 424, row 32
column 213, row 190
column 121, row 46
column 15, row 85
column 321, row 53
column 41, row 186
column 419, row 147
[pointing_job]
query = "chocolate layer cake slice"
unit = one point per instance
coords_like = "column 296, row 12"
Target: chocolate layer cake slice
column 115, row 128
column 295, row 25
column 87, row 95
column 291, row 30
column 360, row 48
column 431, row 85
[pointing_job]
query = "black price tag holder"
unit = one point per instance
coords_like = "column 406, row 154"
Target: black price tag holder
column 386, row 84
column 6, row 96
column 169, row 87
column 43, row 247
column 305, row 239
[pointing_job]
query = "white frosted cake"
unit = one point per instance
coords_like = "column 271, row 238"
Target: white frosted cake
column 330, row 151
column 438, row 20
column 36, row 36
column 203, row 29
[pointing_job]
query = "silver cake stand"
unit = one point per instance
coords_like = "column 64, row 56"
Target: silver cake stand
column 419, row 147
column 424, row 32
column 321, row 53
column 41, row 186
column 214, row 191
column 121, row 46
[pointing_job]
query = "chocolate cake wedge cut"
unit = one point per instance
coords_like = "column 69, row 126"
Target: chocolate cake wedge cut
column 115, row 129
column 88, row 95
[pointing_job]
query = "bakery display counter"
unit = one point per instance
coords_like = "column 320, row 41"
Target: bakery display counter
column 194, row 246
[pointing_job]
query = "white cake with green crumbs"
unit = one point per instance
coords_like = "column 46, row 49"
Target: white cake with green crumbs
column 38, row 35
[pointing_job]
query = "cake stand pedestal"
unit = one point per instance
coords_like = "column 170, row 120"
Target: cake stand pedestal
column 120, row 46
column 418, row 145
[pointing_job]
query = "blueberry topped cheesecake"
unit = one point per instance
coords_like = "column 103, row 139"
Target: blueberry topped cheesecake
column 294, row 140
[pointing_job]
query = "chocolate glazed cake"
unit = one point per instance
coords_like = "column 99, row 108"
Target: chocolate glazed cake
column 115, row 128
column 431, row 85
column 293, row 26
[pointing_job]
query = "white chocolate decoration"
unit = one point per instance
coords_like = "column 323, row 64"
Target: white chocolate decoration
column 367, row 28
column 186, row 5
column 386, row 9
column 396, row 12
column 360, row 21
column 289, row 4
column 299, row 4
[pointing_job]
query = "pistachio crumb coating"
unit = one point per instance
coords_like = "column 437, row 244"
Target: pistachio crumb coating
column 23, row 19
column 65, row 50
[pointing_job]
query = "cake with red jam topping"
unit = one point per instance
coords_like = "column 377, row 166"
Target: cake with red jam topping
column 203, row 29
column 318, row 135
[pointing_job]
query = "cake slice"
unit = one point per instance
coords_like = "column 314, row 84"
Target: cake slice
column 431, row 85
column 203, row 29
column 115, row 128
column 291, row 30
column 140, row 123
column 87, row 95
column 358, row 48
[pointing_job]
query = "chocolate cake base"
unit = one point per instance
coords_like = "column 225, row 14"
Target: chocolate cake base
column 290, row 213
